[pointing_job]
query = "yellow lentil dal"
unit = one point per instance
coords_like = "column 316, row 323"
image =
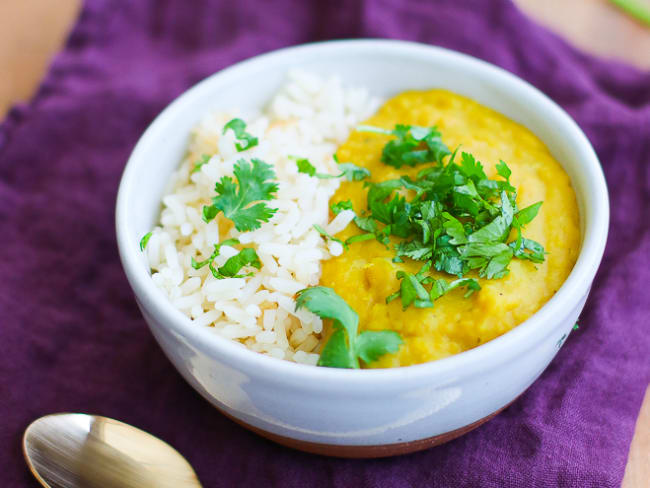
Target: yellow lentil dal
column 365, row 275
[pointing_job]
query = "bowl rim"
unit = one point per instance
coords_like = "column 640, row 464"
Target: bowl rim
column 574, row 288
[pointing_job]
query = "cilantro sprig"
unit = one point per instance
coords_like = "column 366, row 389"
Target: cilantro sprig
column 255, row 182
column 234, row 264
column 244, row 139
column 345, row 346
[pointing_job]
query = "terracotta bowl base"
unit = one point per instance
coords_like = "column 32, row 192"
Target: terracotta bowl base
column 358, row 452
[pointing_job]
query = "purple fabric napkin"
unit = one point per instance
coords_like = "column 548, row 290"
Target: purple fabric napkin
column 72, row 339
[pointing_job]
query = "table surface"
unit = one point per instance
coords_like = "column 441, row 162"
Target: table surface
column 32, row 31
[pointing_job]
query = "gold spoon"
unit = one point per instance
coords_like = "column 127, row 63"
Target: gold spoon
column 70, row 450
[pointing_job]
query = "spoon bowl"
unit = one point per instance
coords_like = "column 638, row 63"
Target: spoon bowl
column 67, row 450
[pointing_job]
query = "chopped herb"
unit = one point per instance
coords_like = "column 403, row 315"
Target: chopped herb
column 526, row 215
column 442, row 286
column 359, row 238
column 304, row 166
column 205, row 158
column 254, row 183
column 217, row 249
column 245, row 257
column 366, row 223
column 503, row 170
column 345, row 346
column 244, row 139
column 338, row 207
column 144, row 240
column 322, row 232
column 412, row 290
column 350, row 171
column 576, row 326
column 413, row 145
column 231, row 268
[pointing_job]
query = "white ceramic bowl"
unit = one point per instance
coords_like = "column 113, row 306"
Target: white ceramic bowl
column 360, row 412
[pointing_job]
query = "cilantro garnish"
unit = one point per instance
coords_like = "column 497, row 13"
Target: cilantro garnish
column 338, row 207
column 346, row 346
column 144, row 240
column 231, row 268
column 348, row 241
column 254, row 183
column 451, row 216
column 304, row 166
column 412, row 145
column 359, row 238
column 324, row 233
column 205, row 158
column 244, row 139
column 350, row 171
column 412, row 289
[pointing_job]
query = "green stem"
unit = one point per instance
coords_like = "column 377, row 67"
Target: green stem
column 635, row 9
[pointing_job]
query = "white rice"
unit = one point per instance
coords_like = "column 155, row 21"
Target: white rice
column 309, row 117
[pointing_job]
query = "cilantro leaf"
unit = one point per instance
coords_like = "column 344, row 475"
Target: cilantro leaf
column 413, row 145
column 472, row 168
column 304, row 166
column 454, row 229
column 526, row 215
column 366, row 223
column 414, row 249
column 352, row 172
column 503, row 170
column 528, row 249
column 483, row 249
column 209, row 213
column 245, row 257
column 205, row 159
column 325, row 303
column 359, row 238
column 338, row 207
column 144, row 241
column 442, row 286
column 371, row 344
column 497, row 267
column 336, row 353
column 244, row 139
column 498, row 229
column 235, row 199
column 322, row 232
column 381, row 209
column 339, row 353
column 411, row 289
column 449, row 260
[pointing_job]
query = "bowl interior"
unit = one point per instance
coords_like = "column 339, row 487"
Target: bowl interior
column 385, row 68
